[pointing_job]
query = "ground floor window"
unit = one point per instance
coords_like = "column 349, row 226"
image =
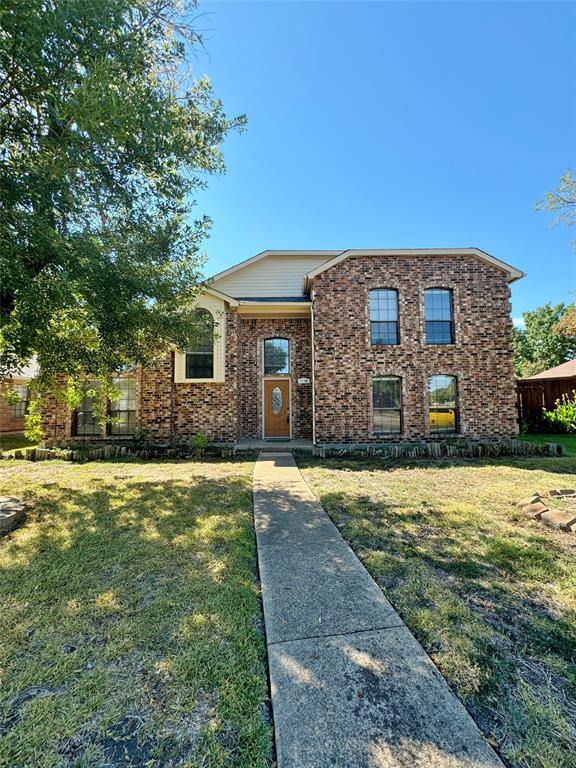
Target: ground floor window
column 387, row 405
column 123, row 411
column 443, row 408
column 19, row 409
column 85, row 420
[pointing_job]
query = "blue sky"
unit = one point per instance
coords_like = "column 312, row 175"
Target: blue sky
column 395, row 124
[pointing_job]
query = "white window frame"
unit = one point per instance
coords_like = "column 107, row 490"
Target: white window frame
column 217, row 309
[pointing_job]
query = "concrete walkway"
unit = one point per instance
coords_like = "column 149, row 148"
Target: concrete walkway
column 351, row 687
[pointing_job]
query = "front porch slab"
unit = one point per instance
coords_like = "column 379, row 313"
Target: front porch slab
column 271, row 446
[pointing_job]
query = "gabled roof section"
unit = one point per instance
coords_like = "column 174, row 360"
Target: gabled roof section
column 267, row 254
column 270, row 273
column 511, row 272
column 285, row 274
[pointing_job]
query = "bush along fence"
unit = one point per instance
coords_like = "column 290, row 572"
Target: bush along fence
column 444, row 449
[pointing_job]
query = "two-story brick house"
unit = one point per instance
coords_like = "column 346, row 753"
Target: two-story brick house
column 347, row 346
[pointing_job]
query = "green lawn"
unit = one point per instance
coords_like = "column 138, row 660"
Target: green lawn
column 9, row 443
column 130, row 618
column 568, row 441
column 489, row 593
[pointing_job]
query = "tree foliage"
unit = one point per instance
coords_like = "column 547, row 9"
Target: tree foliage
column 562, row 200
column 105, row 136
column 567, row 323
column 543, row 343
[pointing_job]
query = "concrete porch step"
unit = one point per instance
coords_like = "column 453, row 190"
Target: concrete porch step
column 273, row 446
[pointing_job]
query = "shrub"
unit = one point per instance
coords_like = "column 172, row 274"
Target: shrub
column 563, row 417
column 198, row 444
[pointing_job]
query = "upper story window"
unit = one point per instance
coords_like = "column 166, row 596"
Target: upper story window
column 276, row 356
column 443, row 404
column 387, row 405
column 383, row 316
column 200, row 354
column 438, row 316
column 19, row 409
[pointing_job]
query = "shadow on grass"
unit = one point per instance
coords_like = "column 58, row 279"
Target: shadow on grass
column 470, row 593
column 565, row 465
column 131, row 621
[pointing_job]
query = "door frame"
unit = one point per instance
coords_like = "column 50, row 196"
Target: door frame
column 263, row 405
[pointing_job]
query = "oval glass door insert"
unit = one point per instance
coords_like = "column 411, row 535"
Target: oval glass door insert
column 276, row 400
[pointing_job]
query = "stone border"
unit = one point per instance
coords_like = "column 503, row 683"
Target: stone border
column 116, row 452
column 11, row 512
column 534, row 507
column 437, row 449
column 468, row 449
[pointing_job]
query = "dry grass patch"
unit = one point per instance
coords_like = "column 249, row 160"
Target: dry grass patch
column 130, row 618
column 490, row 593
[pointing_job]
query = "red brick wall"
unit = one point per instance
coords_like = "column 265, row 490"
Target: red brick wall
column 345, row 362
column 251, row 367
column 177, row 411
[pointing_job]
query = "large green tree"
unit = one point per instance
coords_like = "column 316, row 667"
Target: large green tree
column 105, row 136
column 542, row 343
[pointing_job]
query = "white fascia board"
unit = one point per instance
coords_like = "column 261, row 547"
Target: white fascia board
column 224, row 296
column 256, row 302
column 512, row 272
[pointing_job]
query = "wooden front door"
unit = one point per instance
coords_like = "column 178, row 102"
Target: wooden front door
column 276, row 408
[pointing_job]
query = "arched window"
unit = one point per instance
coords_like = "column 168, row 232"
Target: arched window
column 200, row 354
column 383, row 316
column 438, row 316
column 443, row 404
column 387, row 405
column 276, row 356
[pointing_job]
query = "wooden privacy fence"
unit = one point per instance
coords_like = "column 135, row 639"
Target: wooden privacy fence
column 535, row 394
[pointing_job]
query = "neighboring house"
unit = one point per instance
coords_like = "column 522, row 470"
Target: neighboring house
column 351, row 346
column 12, row 416
column 544, row 389
column 563, row 371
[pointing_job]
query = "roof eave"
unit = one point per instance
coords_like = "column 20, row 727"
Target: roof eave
column 513, row 273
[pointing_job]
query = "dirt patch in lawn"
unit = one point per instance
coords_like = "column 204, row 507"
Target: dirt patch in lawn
column 130, row 618
column 490, row 593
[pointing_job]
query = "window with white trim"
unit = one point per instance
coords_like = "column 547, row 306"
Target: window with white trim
column 276, row 356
